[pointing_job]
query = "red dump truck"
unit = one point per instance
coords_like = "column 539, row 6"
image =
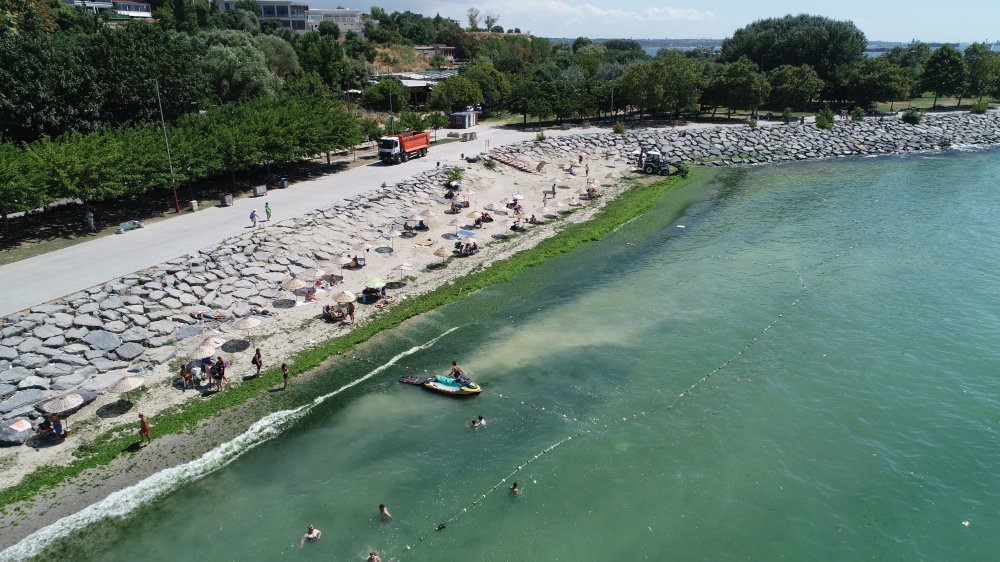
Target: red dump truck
column 400, row 148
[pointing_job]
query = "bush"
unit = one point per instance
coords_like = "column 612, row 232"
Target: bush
column 857, row 114
column 618, row 128
column 490, row 164
column 978, row 108
column 540, row 136
column 453, row 174
column 752, row 123
column 912, row 116
column 825, row 118
column 786, row 115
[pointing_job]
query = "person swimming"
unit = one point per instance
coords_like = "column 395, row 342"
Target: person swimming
column 312, row 535
column 480, row 421
column 514, row 490
column 384, row 511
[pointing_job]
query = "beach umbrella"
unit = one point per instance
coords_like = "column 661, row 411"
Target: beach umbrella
column 574, row 202
column 294, row 284
column 126, row 384
column 473, row 214
column 312, row 273
column 442, row 252
column 202, row 351
column 404, row 267
column 63, row 403
column 455, row 222
column 469, row 240
column 580, row 192
column 517, row 196
column 345, row 296
column 390, row 234
column 414, row 218
column 427, row 214
column 465, row 192
column 246, row 323
column 375, row 283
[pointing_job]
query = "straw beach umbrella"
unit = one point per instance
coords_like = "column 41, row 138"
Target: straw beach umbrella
column 345, row 297
column 202, row 351
column 375, row 283
column 62, row 404
column 442, row 252
column 126, row 384
column 294, row 284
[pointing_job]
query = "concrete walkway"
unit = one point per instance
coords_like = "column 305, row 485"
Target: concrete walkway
column 46, row 277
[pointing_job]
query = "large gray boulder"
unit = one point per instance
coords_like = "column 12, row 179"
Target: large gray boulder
column 22, row 398
column 162, row 327
column 103, row 340
column 129, row 350
column 15, row 432
column 14, row 375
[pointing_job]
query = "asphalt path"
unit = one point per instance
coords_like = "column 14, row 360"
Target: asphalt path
column 47, row 277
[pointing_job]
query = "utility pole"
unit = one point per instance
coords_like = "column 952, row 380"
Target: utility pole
column 166, row 141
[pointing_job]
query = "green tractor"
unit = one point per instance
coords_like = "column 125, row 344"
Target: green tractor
column 653, row 162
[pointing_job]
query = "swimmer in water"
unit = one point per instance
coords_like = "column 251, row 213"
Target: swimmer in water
column 312, row 535
column 514, row 490
column 478, row 422
column 384, row 512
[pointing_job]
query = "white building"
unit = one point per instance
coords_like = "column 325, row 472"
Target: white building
column 126, row 8
column 289, row 14
column 347, row 19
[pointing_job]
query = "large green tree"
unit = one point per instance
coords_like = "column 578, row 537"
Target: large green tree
column 738, row 85
column 455, row 92
column 378, row 96
column 828, row 45
column 17, row 192
column 794, row 86
column 879, row 79
column 983, row 67
column 945, row 73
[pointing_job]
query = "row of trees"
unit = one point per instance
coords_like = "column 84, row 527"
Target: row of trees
column 131, row 160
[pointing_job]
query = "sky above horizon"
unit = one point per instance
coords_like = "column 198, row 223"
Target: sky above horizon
column 923, row 20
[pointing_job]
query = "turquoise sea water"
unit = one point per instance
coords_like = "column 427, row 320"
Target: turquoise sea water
column 862, row 424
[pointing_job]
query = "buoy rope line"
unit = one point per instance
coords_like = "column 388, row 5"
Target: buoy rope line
column 481, row 498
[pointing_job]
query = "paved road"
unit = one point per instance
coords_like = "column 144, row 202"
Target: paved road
column 50, row 276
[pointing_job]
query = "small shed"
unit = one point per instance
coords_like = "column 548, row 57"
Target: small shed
column 462, row 120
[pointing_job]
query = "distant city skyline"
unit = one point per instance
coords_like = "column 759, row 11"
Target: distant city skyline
column 922, row 20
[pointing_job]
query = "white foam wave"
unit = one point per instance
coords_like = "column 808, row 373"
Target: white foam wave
column 125, row 501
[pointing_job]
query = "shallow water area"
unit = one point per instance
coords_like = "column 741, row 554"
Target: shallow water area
column 851, row 305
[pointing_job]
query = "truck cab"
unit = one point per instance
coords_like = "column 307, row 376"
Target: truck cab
column 388, row 149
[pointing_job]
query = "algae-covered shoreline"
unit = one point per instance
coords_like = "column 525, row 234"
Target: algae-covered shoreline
column 115, row 462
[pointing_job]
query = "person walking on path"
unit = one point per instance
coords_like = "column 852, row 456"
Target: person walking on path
column 586, row 170
column 257, row 361
column 284, row 374
column 144, row 430
column 267, row 211
column 350, row 311
column 90, row 220
column 253, row 218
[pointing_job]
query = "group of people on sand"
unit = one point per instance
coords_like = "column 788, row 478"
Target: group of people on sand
column 483, row 218
column 338, row 313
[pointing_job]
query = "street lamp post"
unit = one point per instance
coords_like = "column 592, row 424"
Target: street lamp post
column 166, row 142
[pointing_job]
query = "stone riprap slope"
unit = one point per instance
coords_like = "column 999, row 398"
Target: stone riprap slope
column 88, row 340
column 741, row 145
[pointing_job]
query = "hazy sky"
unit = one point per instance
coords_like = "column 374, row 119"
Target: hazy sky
column 886, row 20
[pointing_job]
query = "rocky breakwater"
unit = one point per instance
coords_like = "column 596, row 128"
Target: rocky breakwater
column 86, row 341
column 743, row 145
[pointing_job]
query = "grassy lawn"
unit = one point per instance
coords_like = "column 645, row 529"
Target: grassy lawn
column 926, row 101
